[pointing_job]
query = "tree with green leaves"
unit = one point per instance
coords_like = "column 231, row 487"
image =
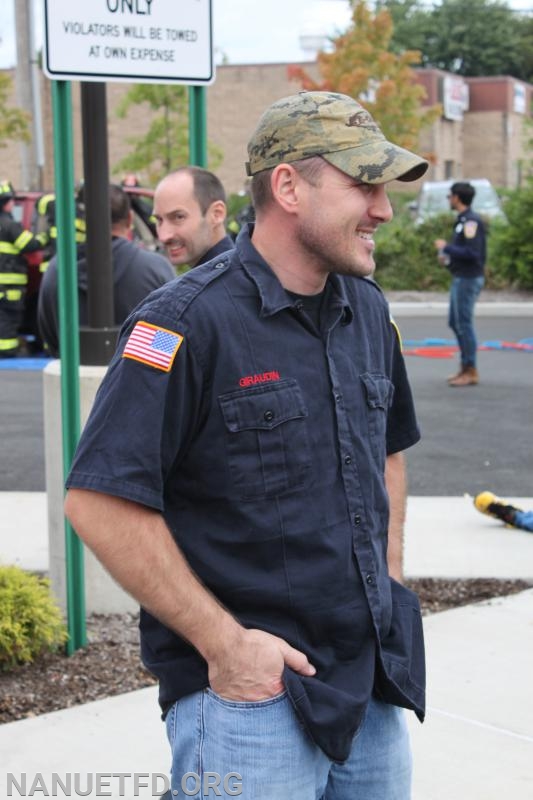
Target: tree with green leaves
column 362, row 65
column 466, row 37
column 165, row 145
column 411, row 25
column 14, row 123
column 525, row 48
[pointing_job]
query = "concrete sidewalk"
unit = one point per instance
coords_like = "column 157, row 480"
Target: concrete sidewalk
column 435, row 304
column 477, row 741
column 439, row 308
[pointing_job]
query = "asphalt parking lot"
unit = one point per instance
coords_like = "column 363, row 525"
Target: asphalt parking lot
column 473, row 438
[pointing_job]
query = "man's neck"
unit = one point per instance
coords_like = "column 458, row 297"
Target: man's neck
column 288, row 262
column 218, row 238
column 212, row 245
column 120, row 231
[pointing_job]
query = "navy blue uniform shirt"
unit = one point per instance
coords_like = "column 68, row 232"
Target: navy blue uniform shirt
column 467, row 250
column 262, row 440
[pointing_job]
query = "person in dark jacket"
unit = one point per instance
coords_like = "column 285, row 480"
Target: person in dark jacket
column 136, row 273
column 465, row 258
column 15, row 242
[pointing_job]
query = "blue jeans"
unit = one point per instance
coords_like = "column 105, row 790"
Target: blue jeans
column 258, row 751
column 463, row 295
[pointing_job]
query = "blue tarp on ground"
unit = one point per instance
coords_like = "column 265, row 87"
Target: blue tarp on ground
column 523, row 345
column 24, row 363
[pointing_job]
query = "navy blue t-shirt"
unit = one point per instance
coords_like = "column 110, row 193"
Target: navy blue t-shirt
column 262, row 440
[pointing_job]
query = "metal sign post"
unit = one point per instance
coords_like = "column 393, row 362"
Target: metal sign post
column 98, row 338
column 69, row 345
column 197, row 126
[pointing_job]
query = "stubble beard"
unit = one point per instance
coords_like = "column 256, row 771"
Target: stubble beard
column 318, row 246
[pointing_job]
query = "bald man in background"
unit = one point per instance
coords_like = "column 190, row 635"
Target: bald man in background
column 190, row 214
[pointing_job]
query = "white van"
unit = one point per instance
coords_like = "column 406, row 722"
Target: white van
column 433, row 199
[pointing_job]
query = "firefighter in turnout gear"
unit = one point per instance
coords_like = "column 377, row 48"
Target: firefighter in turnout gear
column 46, row 224
column 14, row 243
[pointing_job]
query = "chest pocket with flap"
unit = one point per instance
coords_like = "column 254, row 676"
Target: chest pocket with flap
column 268, row 445
column 378, row 392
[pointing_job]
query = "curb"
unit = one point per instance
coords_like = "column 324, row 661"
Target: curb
column 440, row 309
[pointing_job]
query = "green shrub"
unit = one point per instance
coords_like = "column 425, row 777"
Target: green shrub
column 235, row 203
column 30, row 621
column 406, row 257
column 400, row 200
column 511, row 244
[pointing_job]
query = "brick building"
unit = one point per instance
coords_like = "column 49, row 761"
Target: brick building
column 481, row 133
column 483, row 129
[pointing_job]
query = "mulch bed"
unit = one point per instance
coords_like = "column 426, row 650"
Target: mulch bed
column 110, row 664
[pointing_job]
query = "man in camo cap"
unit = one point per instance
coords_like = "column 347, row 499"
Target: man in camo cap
column 253, row 500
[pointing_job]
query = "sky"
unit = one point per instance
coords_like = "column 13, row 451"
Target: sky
column 244, row 31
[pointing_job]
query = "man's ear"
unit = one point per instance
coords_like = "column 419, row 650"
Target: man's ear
column 217, row 212
column 285, row 185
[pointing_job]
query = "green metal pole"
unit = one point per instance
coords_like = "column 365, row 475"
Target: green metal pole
column 197, row 126
column 69, row 345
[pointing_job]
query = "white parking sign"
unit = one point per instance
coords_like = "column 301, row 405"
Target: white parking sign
column 138, row 41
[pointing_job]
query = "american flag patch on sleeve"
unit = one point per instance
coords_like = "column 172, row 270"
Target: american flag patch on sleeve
column 152, row 345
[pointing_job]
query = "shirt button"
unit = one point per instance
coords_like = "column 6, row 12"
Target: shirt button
column 338, row 397
column 369, row 579
column 357, row 519
column 347, row 459
column 268, row 416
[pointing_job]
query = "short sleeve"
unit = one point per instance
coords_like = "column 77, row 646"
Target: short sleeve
column 144, row 414
column 402, row 426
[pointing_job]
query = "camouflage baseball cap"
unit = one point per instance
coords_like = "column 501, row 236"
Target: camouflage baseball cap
column 335, row 127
